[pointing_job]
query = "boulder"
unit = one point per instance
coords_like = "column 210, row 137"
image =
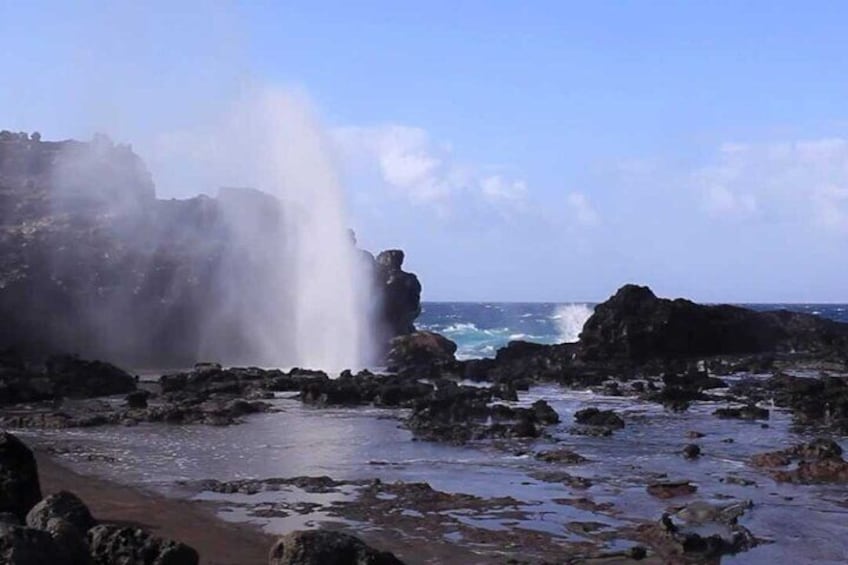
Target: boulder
column 115, row 545
column 77, row 378
column 20, row 489
column 420, row 348
column 27, row 546
column 65, row 505
column 70, row 540
column 601, row 418
column 322, row 547
column 636, row 326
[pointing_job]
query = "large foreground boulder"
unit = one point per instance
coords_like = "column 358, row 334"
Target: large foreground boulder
column 19, row 486
column 27, row 546
column 62, row 505
column 635, row 325
column 320, row 547
column 114, row 545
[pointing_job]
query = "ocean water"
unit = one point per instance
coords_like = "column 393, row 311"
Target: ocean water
column 481, row 328
column 803, row 524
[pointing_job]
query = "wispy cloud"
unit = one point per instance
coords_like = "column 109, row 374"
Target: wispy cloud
column 410, row 163
column 582, row 210
column 805, row 180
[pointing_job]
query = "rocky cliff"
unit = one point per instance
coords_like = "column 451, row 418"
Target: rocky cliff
column 91, row 262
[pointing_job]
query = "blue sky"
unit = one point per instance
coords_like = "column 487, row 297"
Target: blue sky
column 515, row 150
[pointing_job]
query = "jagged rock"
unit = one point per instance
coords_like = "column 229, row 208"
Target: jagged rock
column 601, row 418
column 636, row 326
column 20, row 489
column 322, row 547
column 819, row 461
column 27, row 546
column 399, row 292
column 544, row 413
column 420, row 348
column 70, row 540
column 115, row 545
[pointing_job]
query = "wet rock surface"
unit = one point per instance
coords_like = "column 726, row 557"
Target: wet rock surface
column 60, row 528
column 326, row 548
column 819, row 461
column 111, row 544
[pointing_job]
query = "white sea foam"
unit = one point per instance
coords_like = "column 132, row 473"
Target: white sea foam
column 570, row 319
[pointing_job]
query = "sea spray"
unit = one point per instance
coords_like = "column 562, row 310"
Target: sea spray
column 316, row 269
column 292, row 288
column 570, row 319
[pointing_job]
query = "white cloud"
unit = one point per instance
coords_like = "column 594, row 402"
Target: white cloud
column 582, row 209
column 411, row 163
column 804, row 180
column 496, row 188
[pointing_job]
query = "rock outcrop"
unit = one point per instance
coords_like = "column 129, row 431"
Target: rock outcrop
column 634, row 325
column 91, row 262
column 61, row 376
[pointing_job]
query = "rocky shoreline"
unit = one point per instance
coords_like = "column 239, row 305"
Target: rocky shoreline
column 630, row 348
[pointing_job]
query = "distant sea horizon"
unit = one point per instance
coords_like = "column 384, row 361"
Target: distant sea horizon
column 481, row 328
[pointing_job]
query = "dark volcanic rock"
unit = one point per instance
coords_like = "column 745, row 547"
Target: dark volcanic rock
column 322, row 547
column 636, row 326
column 77, row 378
column 399, row 292
column 691, row 451
column 749, row 412
column 600, row 418
column 19, row 486
column 819, row 461
column 112, row 545
column 64, row 505
column 420, row 348
column 92, row 262
column 681, row 544
column 26, row 546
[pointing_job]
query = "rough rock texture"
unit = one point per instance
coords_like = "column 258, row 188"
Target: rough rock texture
column 26, row 546
column 819, row 461
column 420, row 348
column 114, row 545
column 91, row 262
column 64, row 505
column 321, row 547
column 19, row 486
column 400, row 294
column 637, row 326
